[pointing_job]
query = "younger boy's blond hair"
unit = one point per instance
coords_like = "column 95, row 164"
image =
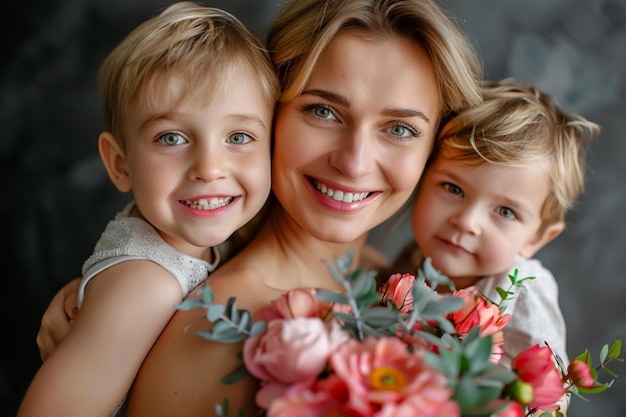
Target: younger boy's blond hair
column 517, row 125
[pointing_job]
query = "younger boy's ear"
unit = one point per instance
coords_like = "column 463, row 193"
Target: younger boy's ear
column 114, row 160
column 532, row 247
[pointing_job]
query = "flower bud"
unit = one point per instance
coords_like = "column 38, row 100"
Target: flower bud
column 521, row 391
column 580, row 374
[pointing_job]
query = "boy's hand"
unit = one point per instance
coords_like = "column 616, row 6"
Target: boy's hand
column 56, row 320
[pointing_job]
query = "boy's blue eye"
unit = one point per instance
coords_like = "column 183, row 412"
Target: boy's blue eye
column 239, row 138
column 506, row 212
column 453, row 189
column 171, row 139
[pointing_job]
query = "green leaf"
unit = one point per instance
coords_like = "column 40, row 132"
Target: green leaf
column 616, row 349
column 333, row 296
column 244, row 322
column 442, row 306
column 189, row 303
column 215, row 312
column 239, row 373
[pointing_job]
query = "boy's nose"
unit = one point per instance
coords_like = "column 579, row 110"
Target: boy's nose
column 208, row 164
column 467, row 220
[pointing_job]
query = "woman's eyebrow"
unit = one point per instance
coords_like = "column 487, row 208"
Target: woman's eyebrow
column 327, row 95
column 398, row 112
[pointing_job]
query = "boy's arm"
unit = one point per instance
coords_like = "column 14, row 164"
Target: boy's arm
column 125, row 309
column 56, row 320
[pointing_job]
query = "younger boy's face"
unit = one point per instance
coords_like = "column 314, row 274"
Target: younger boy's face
column 473, row 220
column 200, row 172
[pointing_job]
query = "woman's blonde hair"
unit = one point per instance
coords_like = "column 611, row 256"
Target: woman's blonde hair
column 198, row 46
column 518, row 125
column 304, row 28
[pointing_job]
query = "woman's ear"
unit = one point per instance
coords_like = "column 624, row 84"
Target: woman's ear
column 114, row 160
column 539, row 242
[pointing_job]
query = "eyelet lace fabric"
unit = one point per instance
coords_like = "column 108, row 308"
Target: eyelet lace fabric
column 127, row 238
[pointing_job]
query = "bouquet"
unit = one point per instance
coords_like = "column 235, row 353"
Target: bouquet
column 399, row 350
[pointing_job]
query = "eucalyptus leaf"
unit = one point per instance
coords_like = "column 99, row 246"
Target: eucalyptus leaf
column 215, row 312
column 189, row 304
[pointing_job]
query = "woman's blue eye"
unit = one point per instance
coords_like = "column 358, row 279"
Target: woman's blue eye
column 239, row 138
column 171, row 139
column 322, row 112
column 453, row 189
column 403, row 131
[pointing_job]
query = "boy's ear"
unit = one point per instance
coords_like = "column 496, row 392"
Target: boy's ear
column 114, row 160
column 539, row 242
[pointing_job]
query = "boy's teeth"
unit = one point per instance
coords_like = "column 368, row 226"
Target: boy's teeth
column 208, row 204
column 338, row 195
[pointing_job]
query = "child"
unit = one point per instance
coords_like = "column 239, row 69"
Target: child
column 188, row 100
column 501, row 179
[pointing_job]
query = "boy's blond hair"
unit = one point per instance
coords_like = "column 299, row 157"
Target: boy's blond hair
column 303, row 29
column 192, row 45
column 517, row 125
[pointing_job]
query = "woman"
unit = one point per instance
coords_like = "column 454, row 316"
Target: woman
column 365, row 84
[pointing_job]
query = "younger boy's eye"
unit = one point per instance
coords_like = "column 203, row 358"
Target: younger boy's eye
column 239, row 138
column 453, row 189
column 506, row 212
column 171, row 139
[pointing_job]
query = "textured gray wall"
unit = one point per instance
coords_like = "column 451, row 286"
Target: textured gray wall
column 57, row 198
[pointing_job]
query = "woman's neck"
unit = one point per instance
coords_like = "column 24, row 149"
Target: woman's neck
column 298, row 257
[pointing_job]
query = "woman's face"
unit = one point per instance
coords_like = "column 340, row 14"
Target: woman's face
column 351, row 148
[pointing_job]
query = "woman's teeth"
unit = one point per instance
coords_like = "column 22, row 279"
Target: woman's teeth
column 338, row 195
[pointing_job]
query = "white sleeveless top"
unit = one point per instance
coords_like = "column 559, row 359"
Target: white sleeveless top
column 127, row 238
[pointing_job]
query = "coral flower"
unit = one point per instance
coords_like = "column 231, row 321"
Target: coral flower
column 536, row 366
column 398, row 289
column 382, row 375
column 477, row 313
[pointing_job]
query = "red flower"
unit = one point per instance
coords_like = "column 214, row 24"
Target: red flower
column 536, row 366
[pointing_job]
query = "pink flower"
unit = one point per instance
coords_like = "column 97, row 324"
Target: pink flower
column 511, row 409
column 382, row 375
column 580, row 374
column 299, row 302
column 398, row 289
column 327, row 397
column 536, row 366
column 289, row 351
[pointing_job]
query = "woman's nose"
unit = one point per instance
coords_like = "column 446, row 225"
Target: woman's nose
column 355, row 156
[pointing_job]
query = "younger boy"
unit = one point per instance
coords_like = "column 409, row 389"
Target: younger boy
column 188, row 102
column 498, row 186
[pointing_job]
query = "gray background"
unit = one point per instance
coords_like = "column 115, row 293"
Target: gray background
column 56, row 198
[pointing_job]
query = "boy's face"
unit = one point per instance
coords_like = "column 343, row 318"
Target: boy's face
column 473, row 220
column 199, row 172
